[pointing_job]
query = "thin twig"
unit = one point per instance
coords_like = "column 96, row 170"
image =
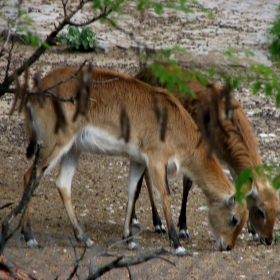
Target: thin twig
column 2, row 51
column 28, row 192
column 9, row 59
column 6, row 205
column 117, row 263
column 4, row 87
column 77, row 260
column 104, row 14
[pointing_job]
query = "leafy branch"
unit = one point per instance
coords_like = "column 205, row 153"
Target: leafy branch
column 4, row 86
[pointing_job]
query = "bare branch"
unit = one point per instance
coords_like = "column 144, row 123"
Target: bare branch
column 2, row 51
column 5, row 205
column 64, row 4
column 9, row 59
column 9, row 270
column 30, row 188
column 17, row 92
column 67, row 79
column 102, row 270
column 39, row 51
column 117, row 263
column 77, row 260
column 104, row 14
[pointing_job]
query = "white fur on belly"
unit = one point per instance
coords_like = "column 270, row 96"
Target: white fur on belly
column 96, row 140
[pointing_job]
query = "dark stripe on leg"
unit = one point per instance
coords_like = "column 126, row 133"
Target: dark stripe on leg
column 138, row 190
column 173, row 237
column 187, row 184
column 166, row 181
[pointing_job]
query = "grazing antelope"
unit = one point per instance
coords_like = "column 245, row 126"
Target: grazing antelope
column 100, row 132
column 238, row 150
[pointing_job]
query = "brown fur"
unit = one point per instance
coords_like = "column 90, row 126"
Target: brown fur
column 239, row 151
column 137, row 98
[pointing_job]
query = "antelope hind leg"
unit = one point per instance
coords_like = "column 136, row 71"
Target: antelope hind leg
column 135, row 173
column 182, row 223
column 67, row 169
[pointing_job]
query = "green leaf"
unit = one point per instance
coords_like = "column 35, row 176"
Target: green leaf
column 267, row 89
column 276, row 182
column 244, row 178
column 96, row 5
column 256, row 87
column 46, row 45
column 85, row 44
column 229, row 53
column 211, row 73
column 235, row 82
column 278, row 99
column 63, row 41
column 260, row 68
column 158, row 8
column 31, row 39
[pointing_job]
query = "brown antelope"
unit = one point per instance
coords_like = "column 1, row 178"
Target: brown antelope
column 101, row 132
column 238, row 150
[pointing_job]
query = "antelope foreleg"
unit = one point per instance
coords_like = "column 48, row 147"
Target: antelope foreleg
column 159, row 178
column 159, row 227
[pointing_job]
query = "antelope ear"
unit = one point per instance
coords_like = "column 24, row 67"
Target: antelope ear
column 253, row 193
column 230, row 200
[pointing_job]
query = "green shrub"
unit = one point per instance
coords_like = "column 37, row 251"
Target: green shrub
column 274, row 48
column 79, row 40
column 276, row 238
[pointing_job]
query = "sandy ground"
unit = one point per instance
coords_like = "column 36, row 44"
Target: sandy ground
column 99, row 185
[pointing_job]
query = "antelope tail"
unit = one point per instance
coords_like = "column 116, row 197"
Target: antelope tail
column 30, row 124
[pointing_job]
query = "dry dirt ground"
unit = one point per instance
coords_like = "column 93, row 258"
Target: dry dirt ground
column 99, row 185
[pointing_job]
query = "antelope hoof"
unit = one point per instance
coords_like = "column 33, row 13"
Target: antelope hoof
column 184, row 234
column 88, row 243
column 181, row 251
column 133, row 246
column 32, row 243
column 256, row 237
column 160, row 229
column 135, row 225
column 135, row 222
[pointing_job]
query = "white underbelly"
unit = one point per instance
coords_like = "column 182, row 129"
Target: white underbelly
column 97, row 141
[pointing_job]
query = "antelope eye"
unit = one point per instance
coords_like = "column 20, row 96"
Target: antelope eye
column 261, row 212
column 234, row 220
